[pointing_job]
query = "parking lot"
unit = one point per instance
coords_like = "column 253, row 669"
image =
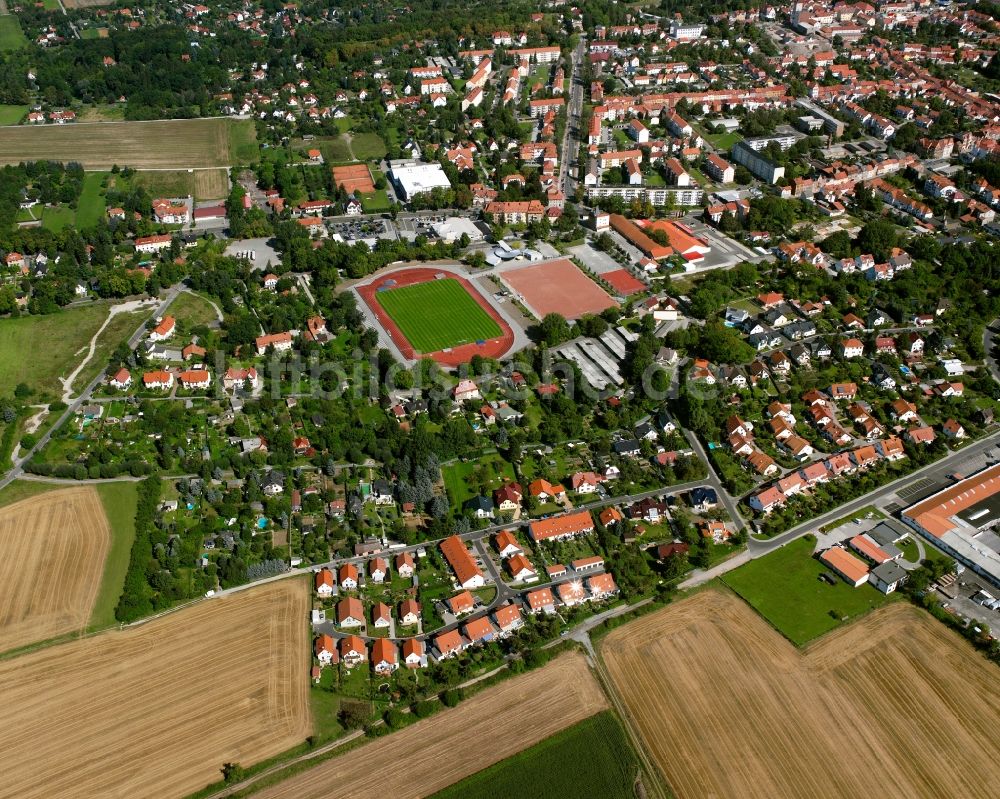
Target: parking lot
column 364, row 229
column 968, row 585
column 725, row 252
column 257, row 251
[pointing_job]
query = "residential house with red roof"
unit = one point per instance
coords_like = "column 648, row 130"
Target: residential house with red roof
column 350, row 612
column 506, row 544
column 121, row 379
column 508, row 618
column 541, row 600
column 384, row 657
column 159, row 379
column 352, row 651
column 413, row 653
column 409, row 612
column 467, row 572
column 449, row 644
column 164, row 329
column 347, row 577
column 461, row 603
column 601, row 586
column 324, row 582
column 325, row 650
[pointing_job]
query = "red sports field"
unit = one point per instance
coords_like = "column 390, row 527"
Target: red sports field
column 354, row 179
column 623, row 282
column 492, row 348
column 558, row 287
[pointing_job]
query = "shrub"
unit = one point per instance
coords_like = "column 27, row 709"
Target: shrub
column 451, row 697
column 426, row 708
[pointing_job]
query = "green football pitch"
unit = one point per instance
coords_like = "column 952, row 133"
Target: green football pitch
column 437, row 315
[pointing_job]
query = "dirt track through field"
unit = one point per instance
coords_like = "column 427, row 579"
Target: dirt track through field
column 52, row 553
column 894, row 705
column 155, row 711
column 437, row 752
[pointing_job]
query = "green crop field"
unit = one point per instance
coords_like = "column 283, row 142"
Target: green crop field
column 11, row 35
column 12, row 114
column 437, row 315
column 91, row 207
column 119, row 500
column 784, row 587
column 594, row 755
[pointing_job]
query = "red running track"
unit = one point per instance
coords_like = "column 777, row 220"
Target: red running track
column 492, row 348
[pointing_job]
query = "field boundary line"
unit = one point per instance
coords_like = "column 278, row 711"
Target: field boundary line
column 656, row 784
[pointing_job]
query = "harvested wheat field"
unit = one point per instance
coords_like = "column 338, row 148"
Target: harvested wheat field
column 155, row 711
column 437, row 752
column 166, row 144
column 894, row 705
column 211, row 184
column 52, row 553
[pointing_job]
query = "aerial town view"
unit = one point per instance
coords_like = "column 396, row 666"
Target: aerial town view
column 499, row 400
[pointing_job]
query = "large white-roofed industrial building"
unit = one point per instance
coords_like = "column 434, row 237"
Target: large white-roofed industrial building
column 962, row 520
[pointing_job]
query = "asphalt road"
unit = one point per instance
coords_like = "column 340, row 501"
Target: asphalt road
column 571, row 138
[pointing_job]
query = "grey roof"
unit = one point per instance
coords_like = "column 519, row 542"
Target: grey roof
column 887, row 533
column 479, row 503
column 628, row 445
column 889, row 572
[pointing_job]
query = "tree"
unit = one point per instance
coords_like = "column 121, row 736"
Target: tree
column 604, row 242
column 553, row 329
column 232, row 772
column 354, row 714
column 878, row 237
column 837, row 244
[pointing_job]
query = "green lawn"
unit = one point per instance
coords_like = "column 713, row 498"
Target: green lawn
column 12, row 114
column 463, row 481
column 784, row 587
column 861, row 513
column 91, row 207
column 437, row 315
column 594, row 755
column 335, row 150
column 193, row 309
column 367, row 146
column 11, row 35
column 119, row 500
column 909, row 547
column 242, row 142
column 164, row 183
column 375, row 203
column 64, row 333
column 24, row 489
column 723, row 141
column 58, row 217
